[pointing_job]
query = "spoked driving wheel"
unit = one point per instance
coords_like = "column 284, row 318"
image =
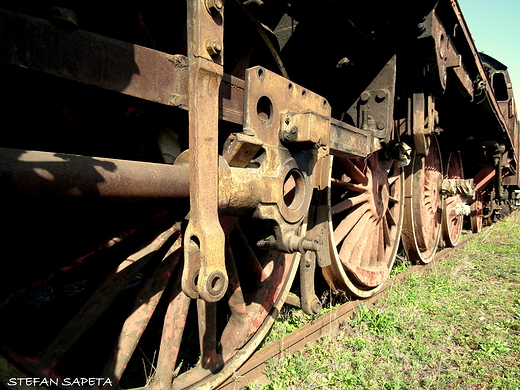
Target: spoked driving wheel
column 452, row 216
column 477, row 213
column 423, row 211
column 367, row 209
column 134, row 327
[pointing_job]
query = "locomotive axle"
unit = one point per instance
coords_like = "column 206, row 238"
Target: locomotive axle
column 45, row 174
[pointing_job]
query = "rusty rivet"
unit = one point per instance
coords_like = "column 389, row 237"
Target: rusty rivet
column 213, row 47
column 291, row 135
column 365, row 96
column 381, row 95
column 214, row 6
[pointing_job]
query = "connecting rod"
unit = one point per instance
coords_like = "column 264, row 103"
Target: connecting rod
column 45, row 174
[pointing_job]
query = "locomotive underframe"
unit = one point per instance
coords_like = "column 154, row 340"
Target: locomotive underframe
column 306, row 173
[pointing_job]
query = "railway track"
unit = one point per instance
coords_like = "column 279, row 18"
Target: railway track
column 329, row 324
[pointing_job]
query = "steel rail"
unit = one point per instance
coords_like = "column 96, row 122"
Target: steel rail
column 329, row 324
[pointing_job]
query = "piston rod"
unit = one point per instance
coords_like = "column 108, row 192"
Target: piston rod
column 45, row 174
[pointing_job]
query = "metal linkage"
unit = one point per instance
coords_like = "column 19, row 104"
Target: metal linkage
column 288, row 127
column 204, row 273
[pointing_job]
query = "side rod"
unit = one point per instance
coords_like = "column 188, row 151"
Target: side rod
column 204, row 273
column 45, row 174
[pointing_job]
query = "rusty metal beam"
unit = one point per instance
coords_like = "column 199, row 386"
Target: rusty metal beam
column 108, row 63
column 31, row 173
column 480, row 68
column 133, row 70
column 349, row 141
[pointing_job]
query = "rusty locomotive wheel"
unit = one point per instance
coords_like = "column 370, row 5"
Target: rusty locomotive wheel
column 477, row 213
column 452, row 217
column 365, row 227
column 134, row 327
column 423, row 209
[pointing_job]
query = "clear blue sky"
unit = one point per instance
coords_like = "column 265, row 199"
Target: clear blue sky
column 495, row 27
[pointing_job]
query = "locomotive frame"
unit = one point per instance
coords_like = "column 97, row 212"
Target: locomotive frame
column 170, row 174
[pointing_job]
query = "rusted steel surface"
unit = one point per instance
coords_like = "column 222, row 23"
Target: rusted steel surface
column 108, row 63
column 285, row 177
column 373, row 110
column 477, row 212
column 485, row 176
column 231, row 106
column 447, row 57
column 481, row 71
column 145, row 304
column 131, row 69
column 423, row 114
column 204, row 247
column 453, row 216
column 94, row 307
column 310, row 303
column 245, row 325
column 92, row 59
column 367, row 210
column 422, row 221
column 173, row 330
column 349, row 141
column 328, row 325
column 43, row 174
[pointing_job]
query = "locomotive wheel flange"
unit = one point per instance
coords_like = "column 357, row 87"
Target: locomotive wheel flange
column 365, row 223
column 452, row 219
column 477, row 213
column 423, row 209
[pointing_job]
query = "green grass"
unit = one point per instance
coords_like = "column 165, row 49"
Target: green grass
column 458, row 327
column 289, row 320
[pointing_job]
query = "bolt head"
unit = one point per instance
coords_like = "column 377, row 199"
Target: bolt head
column 316, row 306
column 365, row 96
column 381, row 95
column 214, row 47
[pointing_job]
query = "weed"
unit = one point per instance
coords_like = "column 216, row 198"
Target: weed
column 289, row 320
column 375, row 321
column 401, row 264
column 492, row 348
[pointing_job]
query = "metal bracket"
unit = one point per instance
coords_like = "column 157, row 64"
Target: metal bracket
column 305, row 127
column 443, row 55
column 424, row 118
column 273, row 107
column 241, row 149
column 204, row 273
column 320, row 211
column 373, row 111
column 309, row 301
